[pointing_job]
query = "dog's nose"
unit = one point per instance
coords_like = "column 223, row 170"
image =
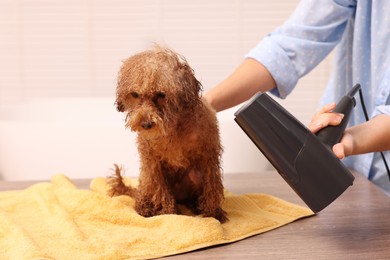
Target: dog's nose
column 147, row 125
column 120, row 107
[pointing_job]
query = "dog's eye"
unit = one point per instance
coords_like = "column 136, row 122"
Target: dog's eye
column 134, row 94
column 160, row 95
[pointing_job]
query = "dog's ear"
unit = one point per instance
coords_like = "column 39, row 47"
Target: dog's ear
column 192, row 86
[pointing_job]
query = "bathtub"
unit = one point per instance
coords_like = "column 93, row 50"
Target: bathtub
column 83, row 138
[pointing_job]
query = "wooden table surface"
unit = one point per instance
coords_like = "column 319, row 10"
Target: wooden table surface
column 355, row 226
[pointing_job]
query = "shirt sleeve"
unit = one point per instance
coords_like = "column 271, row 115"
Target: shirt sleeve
column 303, row 41
column 382, row 95
column 385, row 109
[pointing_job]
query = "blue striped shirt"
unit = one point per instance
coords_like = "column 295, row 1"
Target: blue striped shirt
column 360, row 32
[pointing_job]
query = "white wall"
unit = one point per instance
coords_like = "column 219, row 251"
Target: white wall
column 73, row 48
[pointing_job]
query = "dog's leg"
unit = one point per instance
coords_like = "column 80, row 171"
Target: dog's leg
column 211, row 197
column 154, row 195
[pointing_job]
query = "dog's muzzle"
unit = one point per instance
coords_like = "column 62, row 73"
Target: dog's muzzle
column 142, row 118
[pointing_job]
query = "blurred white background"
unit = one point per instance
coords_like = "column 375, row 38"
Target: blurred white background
column 58, row 69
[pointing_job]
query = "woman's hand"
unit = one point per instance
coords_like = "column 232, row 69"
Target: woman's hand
column 325, row 117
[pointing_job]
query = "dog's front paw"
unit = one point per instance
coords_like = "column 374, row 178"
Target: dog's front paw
column 219, row 214
column 148, row 209
column 145, row 209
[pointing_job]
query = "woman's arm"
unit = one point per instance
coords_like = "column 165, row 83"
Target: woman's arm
column 286, row 54
column 371, row 136
column 248, row 79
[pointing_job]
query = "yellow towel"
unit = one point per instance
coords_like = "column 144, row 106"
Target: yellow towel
column 57, row 220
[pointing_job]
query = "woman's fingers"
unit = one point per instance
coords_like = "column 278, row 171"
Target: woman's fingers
column 327, row 108
column 338, row 150
column 325, row 117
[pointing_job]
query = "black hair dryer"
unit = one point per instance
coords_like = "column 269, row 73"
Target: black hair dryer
column 304, row 160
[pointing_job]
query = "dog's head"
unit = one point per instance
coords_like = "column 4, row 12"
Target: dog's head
column 156, row 88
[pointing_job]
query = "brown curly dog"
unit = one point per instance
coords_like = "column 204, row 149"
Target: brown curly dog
column 178, row 137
